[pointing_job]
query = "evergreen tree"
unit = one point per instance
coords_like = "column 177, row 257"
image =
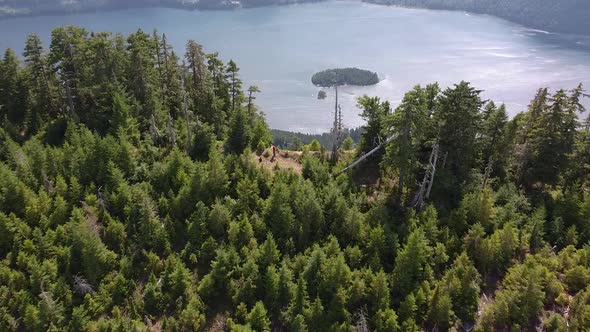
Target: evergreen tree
column 234, row 83
column 239, row 133
column 494, row 144
column 141, row 77
column 408, row 122
column 374, row 112
column 459, row 120
column 258, row 318
column 106, row 224
column 42, row 90
column 12, row 90
column 412, row 264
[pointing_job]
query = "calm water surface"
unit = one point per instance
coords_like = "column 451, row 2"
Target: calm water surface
column 279, row 48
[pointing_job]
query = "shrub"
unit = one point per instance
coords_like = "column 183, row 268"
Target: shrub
column 260, row 148
column 315, row 145
column 348, row 143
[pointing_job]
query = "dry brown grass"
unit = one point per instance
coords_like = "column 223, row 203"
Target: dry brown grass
column 286, row 159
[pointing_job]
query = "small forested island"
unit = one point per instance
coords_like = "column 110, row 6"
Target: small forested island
column 344, row 76
column 131, row 200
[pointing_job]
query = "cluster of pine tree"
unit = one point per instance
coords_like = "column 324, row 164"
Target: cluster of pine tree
column 344, row 76
column 130, row 200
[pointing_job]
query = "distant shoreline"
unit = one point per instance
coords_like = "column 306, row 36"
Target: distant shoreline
column 224, row 5
column 7, row 13
column 565, row 24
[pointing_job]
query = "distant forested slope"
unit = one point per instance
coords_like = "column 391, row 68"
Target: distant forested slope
column 295, row 140
column 36, row 7
column 571, row 16
column 559, row 16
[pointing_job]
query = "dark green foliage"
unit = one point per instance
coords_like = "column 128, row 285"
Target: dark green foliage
column 258, row 319
column 412, row 264
column 162, row 217
column 344, row 76
column 239, row 134
column 459, row 119
column 374, row 111
column 315, row 170
column 203, row 141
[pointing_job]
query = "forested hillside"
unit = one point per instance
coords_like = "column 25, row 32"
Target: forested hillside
column 570, row 16
column 295, row 141
column 130, row 200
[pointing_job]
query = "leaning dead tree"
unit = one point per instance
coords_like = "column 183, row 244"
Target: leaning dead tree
column 185, row 109
column 71, row 108
column 428, row 179
column 171, row 131
column 154, row 131
column 368, row 154
column 488, row 172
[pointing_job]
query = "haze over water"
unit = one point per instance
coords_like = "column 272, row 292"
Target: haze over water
column 279, row 48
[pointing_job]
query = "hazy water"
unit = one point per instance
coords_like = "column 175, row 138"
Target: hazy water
column 279, row 48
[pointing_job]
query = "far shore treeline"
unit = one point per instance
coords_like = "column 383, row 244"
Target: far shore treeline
column 135, row 195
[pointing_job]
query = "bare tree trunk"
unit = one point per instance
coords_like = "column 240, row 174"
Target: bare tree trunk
column 250, row 102
column 233, row 92
column 171, row 132
column 433, row 172
column 335, row 127
column 70, row 98
column 428, row 180
column 487, row 172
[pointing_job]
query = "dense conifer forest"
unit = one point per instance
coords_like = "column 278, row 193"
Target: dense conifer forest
column 130, row 199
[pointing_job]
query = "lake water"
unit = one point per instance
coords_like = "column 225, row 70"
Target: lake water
column 279, row 48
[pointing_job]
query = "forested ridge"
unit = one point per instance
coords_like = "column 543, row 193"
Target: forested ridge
column 569, row 16
column 130, row 200
column 10, row 8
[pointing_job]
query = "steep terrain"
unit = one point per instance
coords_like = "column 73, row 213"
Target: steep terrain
column 131, row 200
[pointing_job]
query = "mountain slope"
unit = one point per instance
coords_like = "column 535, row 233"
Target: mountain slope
column 569, row 16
